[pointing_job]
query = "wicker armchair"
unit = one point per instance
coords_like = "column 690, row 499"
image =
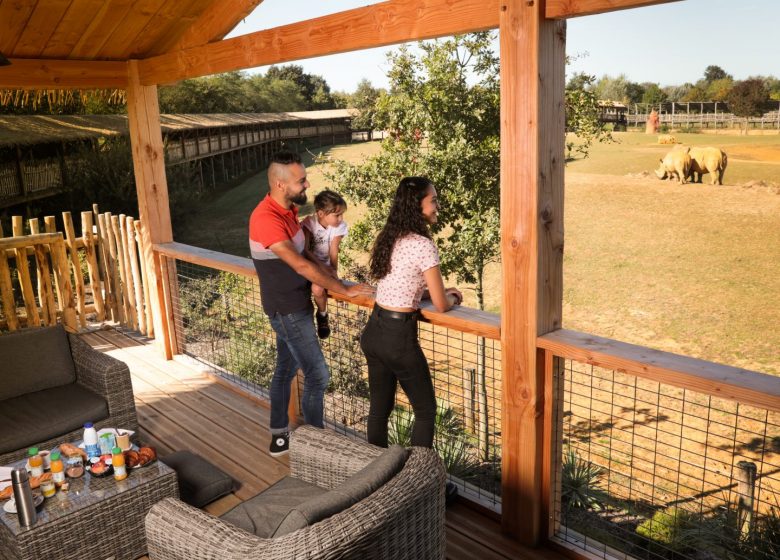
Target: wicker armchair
column 403, row 519
column 104, row 376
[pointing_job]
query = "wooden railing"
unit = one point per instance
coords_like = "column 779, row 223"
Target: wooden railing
column 113, row 286
column 571, row 360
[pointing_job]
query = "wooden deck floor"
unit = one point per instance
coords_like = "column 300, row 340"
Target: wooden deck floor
column 180, row 407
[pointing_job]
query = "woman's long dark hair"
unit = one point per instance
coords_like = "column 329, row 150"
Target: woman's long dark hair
column 405, row 217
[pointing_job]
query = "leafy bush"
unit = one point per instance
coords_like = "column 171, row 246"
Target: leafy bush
column 668, row 527
column 579, row 479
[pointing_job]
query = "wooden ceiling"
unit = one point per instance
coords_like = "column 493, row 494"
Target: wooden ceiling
column 113, row 29
column 83, row 44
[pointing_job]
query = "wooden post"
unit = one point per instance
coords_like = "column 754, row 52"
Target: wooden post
column 746, row 489
column 145, row 254
column 92, row 264
column 45, row 290
column 132, row 255
column 50, row 225
column 23, row 270
column 143, row 115
column 532, row 159
column 109, row 280
column 7, row 290
column 70, row 243
column 62, row 271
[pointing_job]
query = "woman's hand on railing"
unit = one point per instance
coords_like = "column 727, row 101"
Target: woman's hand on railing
column 454, row 296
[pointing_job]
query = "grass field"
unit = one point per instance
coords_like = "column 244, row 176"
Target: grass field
column 691, row 269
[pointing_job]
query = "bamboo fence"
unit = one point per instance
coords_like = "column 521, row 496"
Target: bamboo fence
column 52, row 276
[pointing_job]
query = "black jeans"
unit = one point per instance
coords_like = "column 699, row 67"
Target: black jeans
column 394, row 355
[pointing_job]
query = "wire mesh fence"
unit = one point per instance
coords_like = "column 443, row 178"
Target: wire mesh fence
column 651, row 471
column 220, row 322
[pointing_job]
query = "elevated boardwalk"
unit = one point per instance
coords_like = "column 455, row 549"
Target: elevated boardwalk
column 180, row 407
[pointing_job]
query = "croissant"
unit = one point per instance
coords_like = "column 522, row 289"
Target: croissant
column 35, row 482
column 132, row 458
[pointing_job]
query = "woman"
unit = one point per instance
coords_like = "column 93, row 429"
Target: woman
column 405, row 262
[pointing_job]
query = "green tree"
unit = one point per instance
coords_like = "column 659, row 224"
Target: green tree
column 314, row 89
column 718, row 90
column 677, row 93
column 713, row 72
column 748, row 99
column 364, row 99
column 653, row 94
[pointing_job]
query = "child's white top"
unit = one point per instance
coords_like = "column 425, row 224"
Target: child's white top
column 322, row 236
column 403, row 286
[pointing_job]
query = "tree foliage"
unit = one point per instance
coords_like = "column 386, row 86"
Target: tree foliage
column 748, row 98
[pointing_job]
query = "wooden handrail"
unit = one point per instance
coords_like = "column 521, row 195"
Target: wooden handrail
column 735, row 384
column 23, row 242
column 473, row 321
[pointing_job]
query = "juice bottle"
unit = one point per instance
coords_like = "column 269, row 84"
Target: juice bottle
column 57, row 469
column 35, row 461
column 118, row 460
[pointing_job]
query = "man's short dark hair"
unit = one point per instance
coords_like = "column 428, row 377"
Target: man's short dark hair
column 285, row 158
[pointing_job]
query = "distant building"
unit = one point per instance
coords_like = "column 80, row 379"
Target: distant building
column 613, row 112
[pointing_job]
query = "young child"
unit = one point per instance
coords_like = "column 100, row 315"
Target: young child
column 324, row 231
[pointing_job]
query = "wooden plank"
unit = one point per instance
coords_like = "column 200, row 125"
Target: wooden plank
column 168, row 303
column 62, row 272
column 78, row 277
column 21, row 241
column 40, row 27
column 70, row 29
column 463, row 319
column 557, row 9
column 143, row 115
column 213, row 24
column 14, row 16
column 23, row 268
column 145, row 256
column 532, row 140
column 90, row 248
column 35, row 228
column 727, row 382
column 387, row 23
column 135, row 274
column 7, row 290
column 169, row 23
column 140, row 14
column 25, row 73
column 105, row 22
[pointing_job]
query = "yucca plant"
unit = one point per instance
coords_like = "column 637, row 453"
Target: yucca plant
column 579, row 479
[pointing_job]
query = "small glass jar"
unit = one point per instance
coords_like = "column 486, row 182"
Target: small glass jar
column 48, row 489
column 74, row 466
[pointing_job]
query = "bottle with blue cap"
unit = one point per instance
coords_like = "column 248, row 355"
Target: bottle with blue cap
column 91, row 441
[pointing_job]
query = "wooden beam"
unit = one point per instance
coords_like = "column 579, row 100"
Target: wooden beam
column 216, row 22
column 143, row 116
column 25, row 73
column 532, row 159
column 557, row 9
column 387, row 23
column 724, row 382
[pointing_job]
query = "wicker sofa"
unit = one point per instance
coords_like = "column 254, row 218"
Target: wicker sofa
column 403, row 519
column 51, row 382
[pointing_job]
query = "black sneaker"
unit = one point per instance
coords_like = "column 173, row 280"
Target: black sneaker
column 450, row 494
column 323, row 328
column 280, row 444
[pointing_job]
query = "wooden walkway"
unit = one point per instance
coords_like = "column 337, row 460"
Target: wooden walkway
column 180, row 407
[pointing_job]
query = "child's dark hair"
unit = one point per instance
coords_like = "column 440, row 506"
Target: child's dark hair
column 329, row 202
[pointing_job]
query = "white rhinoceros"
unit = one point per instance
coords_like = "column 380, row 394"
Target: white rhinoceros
column 676, row 162
column 708, row 160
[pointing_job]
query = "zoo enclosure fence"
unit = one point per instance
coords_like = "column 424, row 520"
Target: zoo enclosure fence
column 646, row 451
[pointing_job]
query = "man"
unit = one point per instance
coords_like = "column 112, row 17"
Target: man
column 278, row 250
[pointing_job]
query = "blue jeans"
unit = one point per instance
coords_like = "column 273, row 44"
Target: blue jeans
column 297, row 347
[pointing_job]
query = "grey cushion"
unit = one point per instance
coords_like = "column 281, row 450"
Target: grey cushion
column 35, row 359
column 30, row 419
column 200, row 482
column 360, row 485
column 261, row 515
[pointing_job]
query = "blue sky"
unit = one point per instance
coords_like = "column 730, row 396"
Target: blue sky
column 669, row 44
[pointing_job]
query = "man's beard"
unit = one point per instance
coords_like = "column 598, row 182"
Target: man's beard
column 299, row 199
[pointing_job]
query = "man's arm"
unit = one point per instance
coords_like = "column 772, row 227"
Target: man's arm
column 314, row 272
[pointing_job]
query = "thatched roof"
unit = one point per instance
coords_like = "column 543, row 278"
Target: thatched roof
column 41, row 129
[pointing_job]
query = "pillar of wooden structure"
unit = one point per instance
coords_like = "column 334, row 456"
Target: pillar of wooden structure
column 143, row 116
column 532, row 160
